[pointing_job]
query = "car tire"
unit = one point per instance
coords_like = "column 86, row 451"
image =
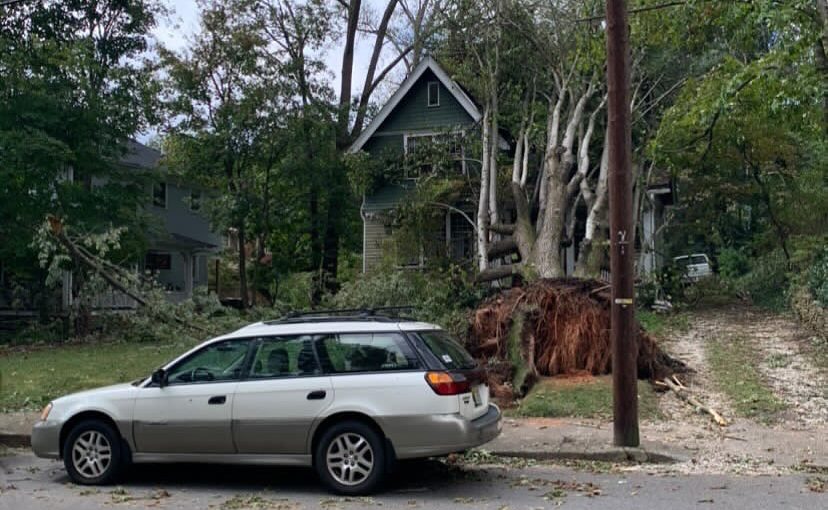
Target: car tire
column 93, row 453
column 350, row 458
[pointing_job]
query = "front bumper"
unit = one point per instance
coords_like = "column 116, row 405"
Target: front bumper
column 46, row 439
column 434, row 435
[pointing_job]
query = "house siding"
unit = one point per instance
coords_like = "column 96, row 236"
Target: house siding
column 178, row 218
column 374, row 239
column 413, row 113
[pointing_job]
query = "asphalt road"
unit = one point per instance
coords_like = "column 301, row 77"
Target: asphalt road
column 28, row 483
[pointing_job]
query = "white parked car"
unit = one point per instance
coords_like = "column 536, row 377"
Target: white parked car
column 347, row 395
column 694, row 267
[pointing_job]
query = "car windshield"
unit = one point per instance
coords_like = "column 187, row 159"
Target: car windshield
column 448, row 350
column 698, row 259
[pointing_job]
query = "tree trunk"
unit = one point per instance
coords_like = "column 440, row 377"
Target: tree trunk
column 362, row 107
column 591, row 252
column 483, row 200
column 243, row 266
column 493, row 148
column 347, row 72
column 546, row 253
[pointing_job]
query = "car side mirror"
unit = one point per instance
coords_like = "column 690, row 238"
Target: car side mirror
column 159, row 377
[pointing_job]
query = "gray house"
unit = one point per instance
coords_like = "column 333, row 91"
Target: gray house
column 429, row 106
column 180, row 240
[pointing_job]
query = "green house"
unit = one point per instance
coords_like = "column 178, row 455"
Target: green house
column 428, row 106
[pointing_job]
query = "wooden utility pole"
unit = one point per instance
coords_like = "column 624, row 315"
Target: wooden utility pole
column 622, row 251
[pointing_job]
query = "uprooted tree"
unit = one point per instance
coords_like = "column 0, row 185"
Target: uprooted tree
column 540, row 76
column 552, row 327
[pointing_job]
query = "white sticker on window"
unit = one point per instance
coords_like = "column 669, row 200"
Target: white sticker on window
column 447, row 358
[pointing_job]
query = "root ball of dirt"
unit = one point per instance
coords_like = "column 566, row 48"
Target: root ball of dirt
column 553, row 327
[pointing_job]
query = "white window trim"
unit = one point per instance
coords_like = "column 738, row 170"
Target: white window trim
column 428, row 94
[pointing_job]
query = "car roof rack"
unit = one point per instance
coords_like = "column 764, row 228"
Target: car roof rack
column 377, row 314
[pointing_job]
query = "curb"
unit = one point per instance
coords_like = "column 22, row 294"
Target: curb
column 15, row 440
column 619, row 455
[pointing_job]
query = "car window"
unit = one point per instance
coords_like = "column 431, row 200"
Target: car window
column 223, row 361
column 699, row 259
column 284, row 357
column 367, row 352
column 448, row 350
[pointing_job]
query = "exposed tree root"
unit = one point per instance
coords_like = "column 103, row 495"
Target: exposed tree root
column 552, row 327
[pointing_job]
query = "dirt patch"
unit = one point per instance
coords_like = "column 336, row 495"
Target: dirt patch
column 553, row 327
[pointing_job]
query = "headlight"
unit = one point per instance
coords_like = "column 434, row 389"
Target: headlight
column 45, row 413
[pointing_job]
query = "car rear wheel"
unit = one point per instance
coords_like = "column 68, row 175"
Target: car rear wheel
column 92, row 453
column 350, row 458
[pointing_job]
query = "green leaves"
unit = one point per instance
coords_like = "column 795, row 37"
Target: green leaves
column 71, row 91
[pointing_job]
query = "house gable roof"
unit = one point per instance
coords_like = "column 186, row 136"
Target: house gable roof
column 139, row 155
column 427, row 64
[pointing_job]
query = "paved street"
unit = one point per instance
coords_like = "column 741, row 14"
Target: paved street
column 28, row 483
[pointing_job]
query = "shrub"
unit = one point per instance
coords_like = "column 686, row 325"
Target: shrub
column 295, row 291
column 733, row 263
column 440, row 296
column 767, row 282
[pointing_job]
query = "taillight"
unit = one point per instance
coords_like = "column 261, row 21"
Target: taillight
column 444, row 383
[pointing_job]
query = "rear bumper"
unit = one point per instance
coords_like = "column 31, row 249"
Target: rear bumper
column 46, row 439
column 441, row 434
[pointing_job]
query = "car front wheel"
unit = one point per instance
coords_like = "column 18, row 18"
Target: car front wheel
column 92, row 453
column 350, row 458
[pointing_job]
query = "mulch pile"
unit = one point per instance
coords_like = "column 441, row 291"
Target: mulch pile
column 553, row 327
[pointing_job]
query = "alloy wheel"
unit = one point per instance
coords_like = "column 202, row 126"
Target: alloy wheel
column 91, row 454
column 350, row 459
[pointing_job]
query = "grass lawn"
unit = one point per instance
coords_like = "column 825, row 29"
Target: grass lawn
column 33, row 377
column 734, row 367
column 661, row 324
column 582, row 397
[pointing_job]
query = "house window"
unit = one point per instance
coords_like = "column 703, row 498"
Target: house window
column 195, row 201
column 433, row 94
column 158, row 261
column 424, row 150
column 159, row 194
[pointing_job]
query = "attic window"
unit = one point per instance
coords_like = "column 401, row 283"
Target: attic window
column 433, row 93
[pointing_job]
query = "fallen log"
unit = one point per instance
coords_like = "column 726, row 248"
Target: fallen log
column 104, row 270
column 681, row 392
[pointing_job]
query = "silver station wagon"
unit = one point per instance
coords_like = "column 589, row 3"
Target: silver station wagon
column 346, row 394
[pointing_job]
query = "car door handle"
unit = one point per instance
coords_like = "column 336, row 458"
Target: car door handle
column 317, row 395
column 217, row 400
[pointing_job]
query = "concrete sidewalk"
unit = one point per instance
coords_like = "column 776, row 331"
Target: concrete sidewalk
column 536, row 439
column 572, row 439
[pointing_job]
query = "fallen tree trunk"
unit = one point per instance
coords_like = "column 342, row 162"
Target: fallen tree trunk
column 78, row 255
column 497, row 273
column 102, row 268
column 500, row 249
